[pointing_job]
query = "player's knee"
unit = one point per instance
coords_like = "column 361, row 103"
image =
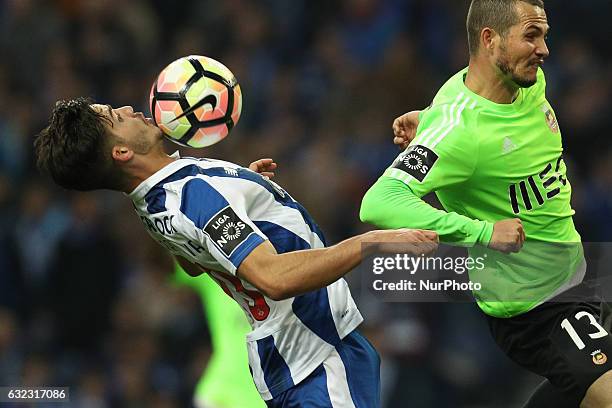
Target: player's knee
column 599, row 394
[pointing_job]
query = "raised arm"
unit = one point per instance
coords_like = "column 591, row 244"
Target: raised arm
column 433, row 161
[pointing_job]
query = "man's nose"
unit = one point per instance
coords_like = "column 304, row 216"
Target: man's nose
column 127, row 109
column 542, row 50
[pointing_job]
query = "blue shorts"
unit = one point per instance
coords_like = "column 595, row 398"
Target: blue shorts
column 348, row 378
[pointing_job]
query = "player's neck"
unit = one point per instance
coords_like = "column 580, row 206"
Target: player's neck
column 483, row 80
column 143, row 168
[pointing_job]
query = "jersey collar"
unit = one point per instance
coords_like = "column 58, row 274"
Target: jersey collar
column 143, row 188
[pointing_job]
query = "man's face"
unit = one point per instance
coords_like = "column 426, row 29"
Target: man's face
column 524, row 49
column 131, row 127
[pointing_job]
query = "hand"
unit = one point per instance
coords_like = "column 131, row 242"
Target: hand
column 404, row 241
column 404, row 128
column 264, row 167
column 508, row 236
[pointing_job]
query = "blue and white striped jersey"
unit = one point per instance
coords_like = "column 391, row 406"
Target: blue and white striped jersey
column 214, row 213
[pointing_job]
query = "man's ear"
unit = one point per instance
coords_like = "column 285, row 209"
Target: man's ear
column 122, row 153
column 489, row 39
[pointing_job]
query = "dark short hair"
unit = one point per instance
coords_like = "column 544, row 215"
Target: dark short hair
column 75, row 147
column 499, row 15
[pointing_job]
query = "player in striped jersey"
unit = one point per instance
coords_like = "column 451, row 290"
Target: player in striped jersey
column 251, row 236
column 490, row 147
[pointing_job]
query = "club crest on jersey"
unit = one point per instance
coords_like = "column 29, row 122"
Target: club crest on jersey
column 599, row 358
column 551, row 120
column 417, row 160
column 227, row 230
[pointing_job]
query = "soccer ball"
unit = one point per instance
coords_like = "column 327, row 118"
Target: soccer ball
column 195, row 101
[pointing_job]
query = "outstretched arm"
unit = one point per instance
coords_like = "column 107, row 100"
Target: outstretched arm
column 390, row 203
column 281, row 276
column 293, row 273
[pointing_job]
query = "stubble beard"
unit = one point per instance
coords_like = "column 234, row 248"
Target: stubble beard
column 145, row 142
column 504, row 66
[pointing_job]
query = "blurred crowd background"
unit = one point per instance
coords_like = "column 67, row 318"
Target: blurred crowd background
column 85, row 300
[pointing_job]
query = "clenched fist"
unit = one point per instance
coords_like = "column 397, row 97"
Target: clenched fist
column 508, row 236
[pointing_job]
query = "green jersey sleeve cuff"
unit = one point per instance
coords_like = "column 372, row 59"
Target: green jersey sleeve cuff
column 421, row 113
column 485, row 235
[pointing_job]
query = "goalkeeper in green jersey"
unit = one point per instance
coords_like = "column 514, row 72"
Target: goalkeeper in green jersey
column 490, row 147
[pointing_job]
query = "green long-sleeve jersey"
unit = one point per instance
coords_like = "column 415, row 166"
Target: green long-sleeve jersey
column 488, row 162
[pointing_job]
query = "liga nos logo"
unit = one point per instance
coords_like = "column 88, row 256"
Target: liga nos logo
column 417, row 160
column 227, row 230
